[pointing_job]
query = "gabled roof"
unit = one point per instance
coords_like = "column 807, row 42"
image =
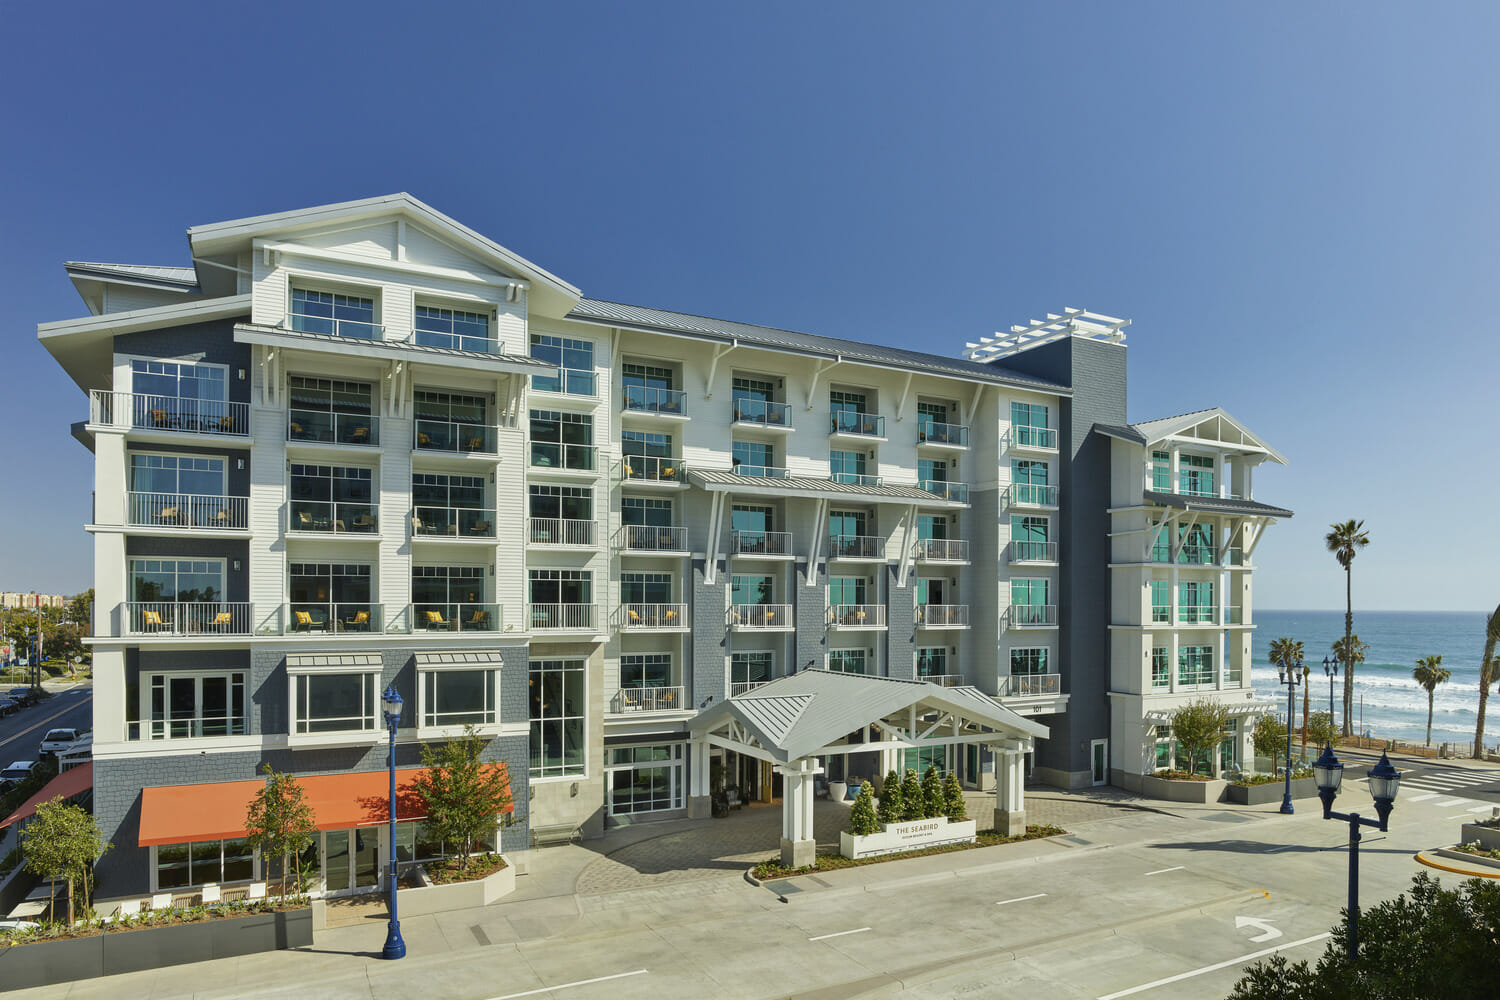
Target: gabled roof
column 139, row 274
column 617, row 314
column 1225, row 427
column 726, row 481
column 794, row 716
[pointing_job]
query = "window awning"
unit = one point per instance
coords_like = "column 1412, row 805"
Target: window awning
column 179, row 814
column 303, row 662
column 69, row 783
column 474, row 659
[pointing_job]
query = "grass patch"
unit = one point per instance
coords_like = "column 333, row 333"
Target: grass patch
column 773, row 868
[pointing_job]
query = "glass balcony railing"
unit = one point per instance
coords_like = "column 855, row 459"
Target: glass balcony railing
column 652, row 469
column 934, row 432
column 324, row 427
column 332, row 617
column 452, row 436
column 1197, row 614
column 327, row 516
column 855, row 479
column 1031, row 495
column 186, row 618
column 1026, row 436
column 567, row 382
column 669, row 402
column 760, row 543
column 864, row 424
column 574, row 457
column 453, row 522
column 188, row 510
column 1196, row 555
column 442, row 617
column 957, row 492
column 562, row 531
column 455, row 342
column 765, row 412
column 762, row 471
column 943, row 549
column 145, row 411
column 327, row 325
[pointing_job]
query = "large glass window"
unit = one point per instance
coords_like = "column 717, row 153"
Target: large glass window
column 849, row 661
column 193, row 474
column 1030, row 592
column 566, row 503
column 751, row 590
column 647, row 445
column 442, row 588
column 203, row 863
column 1028, row 661
column 1029, row 482
column 932, row 470
column 332, row 313
column 1196, row 475
column 416, row 843
column 919, row 759
column 645, row 588
column 574, row 360
column 846, row 466
column 1161, row 471
column 1029, row 422
column 562, row 440
column 750, row 668
column 557, row 691
column 932, row 526
column 326, row 596
column 1161, row 601
column 1161, row 667
column 848, row 590
column 562, row 586
column 181, row 581
column 752, row 458
column 1195, row 665
column 458, row 698
column 1028, row 535
column 755, row 401
column 331, row 410
column 452, row 328
column 932, row 661
column 753, row 518
column 449, row 421
column 645, row 779
column 646, row 670
column 647, row 511
column 1197, row 545
column 930, row 413
column 650, row 389
column 179, row 380
column 335, row 702
column 188, row 706
column 332, row 498
column 1195, row 602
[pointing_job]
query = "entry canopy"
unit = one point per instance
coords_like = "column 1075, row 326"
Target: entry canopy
column 815, row 712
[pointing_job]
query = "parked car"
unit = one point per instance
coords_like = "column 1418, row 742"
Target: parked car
column 9, row 705
column 17, row 772
column 24, row 695
column 58, row 739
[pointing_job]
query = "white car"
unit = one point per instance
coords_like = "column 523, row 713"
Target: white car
column 59, row 739
column 16, row 773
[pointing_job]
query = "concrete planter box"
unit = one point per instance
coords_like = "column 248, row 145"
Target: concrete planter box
column 1259, row 795
column 457, row 895
column 1488, row 836
column 1182, row 791
column 909, row 836
column 46, row 962
column 1473, row 859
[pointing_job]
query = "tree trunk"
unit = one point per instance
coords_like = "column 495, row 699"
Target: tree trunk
column 1430, row 693
column 70, row 901
column 1486, row 672
column 1306, row 707
column 1348, row 644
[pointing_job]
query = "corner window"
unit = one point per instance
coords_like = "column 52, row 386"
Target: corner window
column 557, row 696
column 1161, row 667
column 334, row 314
column 574, row 360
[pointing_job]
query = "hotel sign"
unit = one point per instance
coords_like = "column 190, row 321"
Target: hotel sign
column 908, row 836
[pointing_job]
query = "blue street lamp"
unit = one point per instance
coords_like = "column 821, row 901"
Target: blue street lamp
column 1291, row 677
column 1330, row 670
column 390, row 703
column 1384, row 783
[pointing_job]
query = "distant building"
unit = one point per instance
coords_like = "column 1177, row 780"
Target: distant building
column 9, row 599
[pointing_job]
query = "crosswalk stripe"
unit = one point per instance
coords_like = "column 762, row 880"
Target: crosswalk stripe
column 1451, row 802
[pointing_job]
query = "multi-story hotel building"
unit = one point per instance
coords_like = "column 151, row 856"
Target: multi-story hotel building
column 362, row 445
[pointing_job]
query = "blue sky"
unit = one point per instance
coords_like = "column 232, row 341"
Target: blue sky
column 1296, row 204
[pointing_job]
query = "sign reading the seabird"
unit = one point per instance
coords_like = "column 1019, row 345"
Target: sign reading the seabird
column 908, row 836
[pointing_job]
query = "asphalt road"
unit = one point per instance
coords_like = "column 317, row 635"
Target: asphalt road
column 21, row 733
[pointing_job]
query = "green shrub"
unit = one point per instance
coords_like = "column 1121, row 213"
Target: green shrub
column 933, row 803
column 862, row 821
column 912, row 804
column 954, row 806
column 890, row 799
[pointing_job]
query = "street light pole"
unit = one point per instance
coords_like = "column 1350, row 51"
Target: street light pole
column 390, row 702
column 1330, row 670
column 1385, row 781
column 1290, row 676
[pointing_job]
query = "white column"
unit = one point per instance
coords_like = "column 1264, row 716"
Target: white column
column 1010, row 805
column 798, row 846
column 698, row 768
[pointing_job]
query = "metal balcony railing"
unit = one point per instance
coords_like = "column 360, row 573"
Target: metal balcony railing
column 145, row 411
column 443, row 617
column 564, row 617
column 324, row 427
column 652, row 469
column 1026, row 436
column 942, row 680
column 745, row 687
column 1029, row 551
column 187, row 510
column 1030, row 685
column 943, row 549
column 327, row 516
column 652, row 538
column 186, row 618
column 1022, row 615
column 943, row 615
column 856, row 547
column 864, row 424
column 648, row 617
column 670, row 402
column 648, row 699
column 355, row 618
column 764, row 412
column 856, row 615
column 179, row 728
column 453, row 522
column 752, row 616
column 760, row 543
column 935, row 432
column 957, row 492
column 567, row 382
column 762, row 471
column 454, row 436
column 1196, row 555
column 574, row 457
column 1234, row 615
column 1031, row 495
column 561, row 531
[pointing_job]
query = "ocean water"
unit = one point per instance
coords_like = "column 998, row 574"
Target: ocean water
column 1395, row 706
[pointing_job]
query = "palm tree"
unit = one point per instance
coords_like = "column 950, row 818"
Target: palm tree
column 1285, row 654
column 1350, row 650
column 1488, row 669
column 1344, row 540
column 1430, row 673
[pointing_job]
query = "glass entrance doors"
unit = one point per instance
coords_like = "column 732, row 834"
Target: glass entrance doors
column 351, row 860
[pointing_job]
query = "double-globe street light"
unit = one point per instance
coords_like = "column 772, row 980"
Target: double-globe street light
column 1330, row 670
column 1291, row 675
column 1384, row 783
column 390, row 704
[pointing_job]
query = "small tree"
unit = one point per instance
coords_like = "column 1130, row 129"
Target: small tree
column 62, row 841
column 912, row 803
column 1429, row 673
column 1199, row 727
column 279, row 823
column 862, row 821
column 953, row 799
column 890, row 799
column 1321, row 729
column 933, row 804
column 463, row 795
column 1269, row 738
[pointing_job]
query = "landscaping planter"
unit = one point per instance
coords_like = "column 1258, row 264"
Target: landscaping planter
column 1473, row 859
column 1488, row 836
column 1259, row 795
column 457, row 895
column 909, row 836
column 1173, row 790
column 44, row 962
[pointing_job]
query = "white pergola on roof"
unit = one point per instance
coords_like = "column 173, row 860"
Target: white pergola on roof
column 1071, row 323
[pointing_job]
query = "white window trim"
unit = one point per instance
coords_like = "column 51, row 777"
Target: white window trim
column 155, row 887
column 424, row 731
column 129, row 366
column 147, row 678
column 130, row 457
column 587, row 772
column 338, row 737
column 130, row 562
column 319, row 281
column 676, row 765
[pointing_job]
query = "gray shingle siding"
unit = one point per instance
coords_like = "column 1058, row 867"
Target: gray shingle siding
column 212, row 343
column 901, row 622
column 811, row 613
column 710, row 638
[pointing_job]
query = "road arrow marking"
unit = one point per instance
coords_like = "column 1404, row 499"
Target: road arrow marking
column 1271, row 933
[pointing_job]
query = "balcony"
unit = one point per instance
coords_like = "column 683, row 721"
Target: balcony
column 653, row 618
column 738, row 688
column 455, row 437
column 141, row 411
column 761, row 544
column 641, row 401
column 328, row 618
column 471, row 523
column 846, row 616
column 755, row 413
column 186, row 728
column 1031, row 616
column 855, row 479
column 325, row 516
column 550, row 456
column 942, row 680
column 652, row 538
column 1030, row 495
column 856, row 548
column 200, row 618
column 851, row 424
column 455, row 618
column 761, row 471
column 194, row 511
column 648, row 699
column 942, row 616
column 1033, row 552
column 759, row 617
column 563, row 532
column 942, row 550
column 455, row 341
column 941, row 488
column 653, row 470
column 1024, row 437
column 1234, row 615
column 933, row 434
column 1198, row 614
column 1195, row 555
column 323, row 427
column 1030, row 686
column 328, row 326
column 567, row 382
column 564, row 618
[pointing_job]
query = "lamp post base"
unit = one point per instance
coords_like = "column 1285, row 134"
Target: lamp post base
column 1286, row 805
column 395, row 947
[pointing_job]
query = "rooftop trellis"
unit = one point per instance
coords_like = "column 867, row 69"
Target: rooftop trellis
column 1071, row 323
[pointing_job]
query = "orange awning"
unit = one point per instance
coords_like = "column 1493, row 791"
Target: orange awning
column 178, row 814
column 67, row 784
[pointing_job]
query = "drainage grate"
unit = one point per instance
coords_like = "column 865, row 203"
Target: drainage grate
column 1074, row 841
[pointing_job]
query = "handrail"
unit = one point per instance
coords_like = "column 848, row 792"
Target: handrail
column 328, row 427
column 644, row 399
column 856, row 547
column 943, row 549
column 1030, row 685
column 203, row 511
column 427, row 616
column 957, row 492
column 1027, row 436
column 452, row 522
column 751, row 616
column 652, row 468
column 571, row 617
column 1031, row 614
column 937, row 432
column 454, row 435
column 864, row 424
column 147, row 411
column 1031, row 495
column 332, row 617
column 855, row 479
column 634, row 617
column 328, row 516
column 762, row 543
column 327, row 325
column 648, row 699
column 761, row 411
column 762, row 471
column 653, row 538
column 857, row 615
column 562, row 531
column 942, row 614
column 1023, row 550
column 567, row 382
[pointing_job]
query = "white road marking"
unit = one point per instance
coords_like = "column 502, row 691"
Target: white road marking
column 1451, row 803
column 1020, row 899
column 565, row 986
column 1214, row 968
column 1268, row 932
column 1283, row 847
column 1423, row 798
column 1162, row 871
column 824, row 937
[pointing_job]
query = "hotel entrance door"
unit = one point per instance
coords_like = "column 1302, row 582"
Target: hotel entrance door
column 351, row 860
